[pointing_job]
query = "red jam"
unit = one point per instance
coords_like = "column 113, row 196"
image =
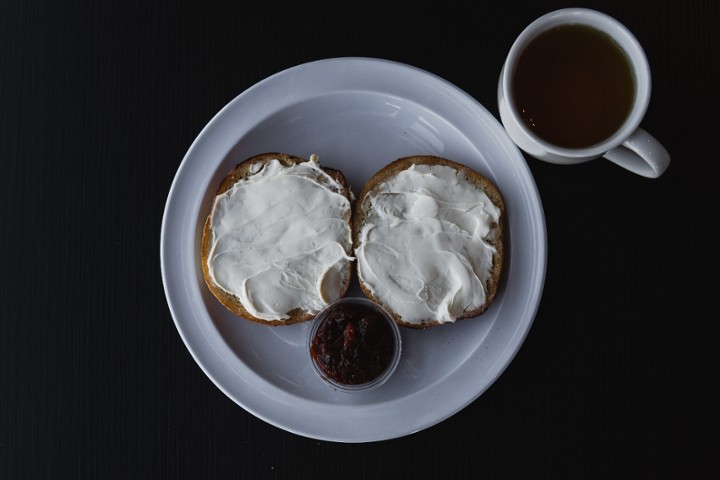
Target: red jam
column 354, row 344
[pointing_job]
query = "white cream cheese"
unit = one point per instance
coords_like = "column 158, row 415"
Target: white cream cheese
column 423, row 251
column 280, row 239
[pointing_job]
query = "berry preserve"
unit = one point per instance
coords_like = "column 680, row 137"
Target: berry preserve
column 354, row 342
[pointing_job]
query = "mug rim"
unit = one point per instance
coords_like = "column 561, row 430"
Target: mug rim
column 626, row 40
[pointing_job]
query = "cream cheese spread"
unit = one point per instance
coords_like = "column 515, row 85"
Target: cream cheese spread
column 280, row 239
column 424, row 250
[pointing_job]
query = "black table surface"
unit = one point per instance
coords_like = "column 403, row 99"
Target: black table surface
column 100, row 101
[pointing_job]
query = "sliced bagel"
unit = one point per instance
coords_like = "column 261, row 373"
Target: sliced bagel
column 276, row 246
column 428, row 239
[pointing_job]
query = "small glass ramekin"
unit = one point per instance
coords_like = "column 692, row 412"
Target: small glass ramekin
column 356, row 308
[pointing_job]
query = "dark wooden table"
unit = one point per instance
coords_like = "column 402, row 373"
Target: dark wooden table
column 99, row 102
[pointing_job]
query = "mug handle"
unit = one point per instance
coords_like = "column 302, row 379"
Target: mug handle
column 641, row 153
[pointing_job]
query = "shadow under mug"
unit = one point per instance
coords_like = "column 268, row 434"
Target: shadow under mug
column 630, row 146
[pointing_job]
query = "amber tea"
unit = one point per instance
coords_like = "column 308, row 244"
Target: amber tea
column 574, row 86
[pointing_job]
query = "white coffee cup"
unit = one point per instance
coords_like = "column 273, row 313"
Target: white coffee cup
column 629, row 146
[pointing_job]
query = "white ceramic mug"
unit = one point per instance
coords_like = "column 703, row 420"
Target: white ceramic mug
column 630, row 146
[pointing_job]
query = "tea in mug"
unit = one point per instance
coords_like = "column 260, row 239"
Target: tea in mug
column 574, row 86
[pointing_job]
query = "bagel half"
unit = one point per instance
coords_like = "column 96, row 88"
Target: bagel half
column 276, row 247
column 428, row 238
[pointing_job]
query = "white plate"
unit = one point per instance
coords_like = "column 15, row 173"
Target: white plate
column 357, row 114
